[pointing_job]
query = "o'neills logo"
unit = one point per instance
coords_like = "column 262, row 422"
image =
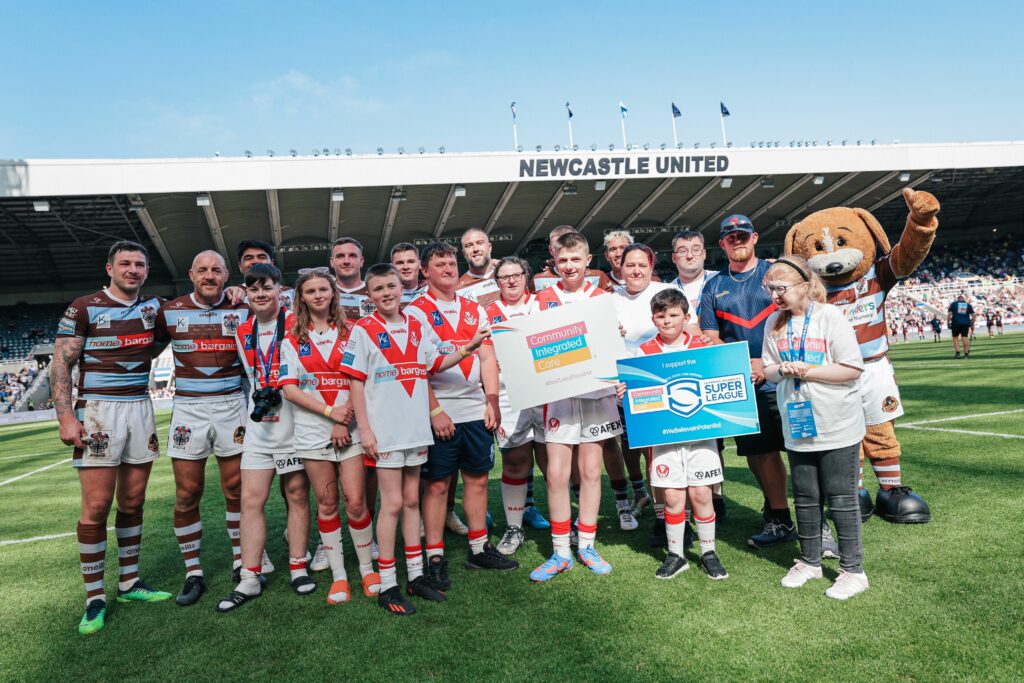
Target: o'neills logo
column 559, row 347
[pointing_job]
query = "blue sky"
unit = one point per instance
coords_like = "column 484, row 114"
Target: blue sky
column 190, row 79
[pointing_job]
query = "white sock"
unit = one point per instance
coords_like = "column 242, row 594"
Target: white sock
column 414, row 561
column 675, row 530
column 297, row 567
column 362, row 539
column 706, row 533
column 250, row 583
column 513, row 495
column 330, row 537
column 388, row 577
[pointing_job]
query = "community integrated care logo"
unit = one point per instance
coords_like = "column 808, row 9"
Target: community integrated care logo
column 687, row 396
column 559, row 347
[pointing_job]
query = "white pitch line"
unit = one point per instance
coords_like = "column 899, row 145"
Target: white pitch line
column 29, row 474
column 48, row 537
column 960, row 417
column 31, row 455
column 965, row 431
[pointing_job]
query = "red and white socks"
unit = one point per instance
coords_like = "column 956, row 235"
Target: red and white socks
column 477, row 540
column 588, row 532
column 414, row 561
column 362, row 539
column 330, row 538
column 388, row 575
column 675, row 531
column 560, row 537
column 514, row 496
column 705, row 532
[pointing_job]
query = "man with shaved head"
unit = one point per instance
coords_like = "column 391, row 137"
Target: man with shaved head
column 477, row 283
column 209, row 407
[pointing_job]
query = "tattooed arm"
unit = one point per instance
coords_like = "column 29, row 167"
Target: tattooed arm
column 67, row 351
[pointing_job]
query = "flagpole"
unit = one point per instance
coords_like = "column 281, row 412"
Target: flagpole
column 675, row 137
column 725, row 140
column 571, row 143
column 515, row 135
column 622, row 122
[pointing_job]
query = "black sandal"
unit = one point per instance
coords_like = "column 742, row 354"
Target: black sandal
column 236, row 600
column 300, row 582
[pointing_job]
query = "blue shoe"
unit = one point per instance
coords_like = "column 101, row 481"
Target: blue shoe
column 490, row 521
column 533, row 518
column 556, row 564
column 773, row 534
column 594, row 562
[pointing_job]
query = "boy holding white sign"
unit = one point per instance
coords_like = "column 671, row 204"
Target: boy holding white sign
column 682, row 469
column 584, row 421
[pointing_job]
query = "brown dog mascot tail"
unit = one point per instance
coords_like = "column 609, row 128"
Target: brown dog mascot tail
column 850, row 251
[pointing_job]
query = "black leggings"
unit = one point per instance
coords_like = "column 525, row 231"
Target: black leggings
column 820, row 476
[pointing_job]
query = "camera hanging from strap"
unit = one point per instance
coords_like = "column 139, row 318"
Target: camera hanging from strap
column 254, row 341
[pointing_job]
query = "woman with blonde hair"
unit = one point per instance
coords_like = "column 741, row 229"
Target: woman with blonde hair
column 811, row 352
column 325, row 436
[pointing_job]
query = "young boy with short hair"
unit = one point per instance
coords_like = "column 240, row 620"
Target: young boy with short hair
column 389, row 356
column 582, row 421
column 688, row 469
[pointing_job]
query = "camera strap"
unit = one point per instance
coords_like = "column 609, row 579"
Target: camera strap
column 266, row 363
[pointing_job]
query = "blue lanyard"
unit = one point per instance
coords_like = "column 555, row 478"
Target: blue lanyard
column 794, row 354
column 266, row 362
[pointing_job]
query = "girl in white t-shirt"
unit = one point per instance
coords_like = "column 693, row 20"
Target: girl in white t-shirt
column 811, row 352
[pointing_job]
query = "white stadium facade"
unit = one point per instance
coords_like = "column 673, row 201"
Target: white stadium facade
column 58, row 217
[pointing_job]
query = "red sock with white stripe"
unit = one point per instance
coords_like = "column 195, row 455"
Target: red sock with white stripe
column 588, row 532
column 435, row 550
column 887, row 472
column 92, row 550
column 232, row 519
column 477, row 539
column 128, row 529
column 388, row 579
column 414, row 561
column 362, row 539
column 675, row 530
column 330, row 538
column 705, row 532
column 560, row 537
column 513, row 495
column 188, row 529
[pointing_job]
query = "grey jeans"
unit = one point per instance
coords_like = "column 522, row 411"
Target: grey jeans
column 827, row 476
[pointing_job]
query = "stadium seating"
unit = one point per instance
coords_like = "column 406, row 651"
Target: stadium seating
column 23, row 326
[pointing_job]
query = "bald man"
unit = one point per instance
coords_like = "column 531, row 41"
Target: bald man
column 478, row 283
column 209, row 408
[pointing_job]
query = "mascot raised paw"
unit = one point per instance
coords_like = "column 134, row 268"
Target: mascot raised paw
column 849, row 249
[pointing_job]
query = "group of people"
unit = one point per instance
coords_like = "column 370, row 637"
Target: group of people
column 379, row 391
column 13, row 386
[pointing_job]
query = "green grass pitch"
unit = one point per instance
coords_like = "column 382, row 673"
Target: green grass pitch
column 946, row 599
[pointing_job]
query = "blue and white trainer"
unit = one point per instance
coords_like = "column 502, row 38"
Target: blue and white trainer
column 593, row 561
column 556, row 564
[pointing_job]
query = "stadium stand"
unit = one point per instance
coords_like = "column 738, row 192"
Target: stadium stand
column 23, row 326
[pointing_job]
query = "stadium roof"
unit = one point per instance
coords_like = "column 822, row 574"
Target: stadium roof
column 57, row 217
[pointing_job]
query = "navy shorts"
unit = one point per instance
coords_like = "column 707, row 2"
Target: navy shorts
column 470, row 450
column 961, row 330
column 770, row 438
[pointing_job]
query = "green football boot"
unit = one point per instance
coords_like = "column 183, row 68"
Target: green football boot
column 142, row 592
column 94, row 617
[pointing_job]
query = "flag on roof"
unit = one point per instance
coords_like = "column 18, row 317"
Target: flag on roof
column 725, row 112
column 675, row 111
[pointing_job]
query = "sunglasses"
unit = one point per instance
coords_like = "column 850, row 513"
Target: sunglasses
column 319, row 270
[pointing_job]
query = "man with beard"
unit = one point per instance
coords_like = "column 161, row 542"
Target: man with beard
column 347, row 264
column 478, row 283
column 209, row 409
column 109, row 336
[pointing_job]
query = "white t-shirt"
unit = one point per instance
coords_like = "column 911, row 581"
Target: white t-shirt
column 692, row 291
column 498, row 311
column 394, row 360
column 274, row 434
column 634, row 312
column 314, row 367
column 837, row 409
column 451, row 324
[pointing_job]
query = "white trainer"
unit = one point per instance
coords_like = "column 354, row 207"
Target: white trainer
column 627, row 522
column 847, row 585
column 374, row 551
column 320, row 562
column 799, row 574
column 266, row 566
column 456, row 525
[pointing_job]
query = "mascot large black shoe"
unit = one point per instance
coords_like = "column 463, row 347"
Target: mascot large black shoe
column 900, row 505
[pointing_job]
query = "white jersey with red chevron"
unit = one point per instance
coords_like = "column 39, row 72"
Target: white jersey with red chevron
column 556, row 295
column 314, row 366
column 453, row 324
column 394, row 360
column 498, row 312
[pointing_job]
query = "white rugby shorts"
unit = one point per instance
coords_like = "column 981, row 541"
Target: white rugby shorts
column 581, row 420
column 519, row 427
column 204, row 427
column 406, row 457
column 119, row 432
column 879, row 393
column 282, row 463
column 331, row 454
column 681, row 465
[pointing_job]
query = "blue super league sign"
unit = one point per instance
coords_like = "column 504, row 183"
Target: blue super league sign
column 692, row 395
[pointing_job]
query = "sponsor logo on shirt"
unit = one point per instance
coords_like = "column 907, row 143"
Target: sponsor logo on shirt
column 347, row 358
column 181, row 325
column 470, row 318
column 435, row 319
column 148, row 315
column 383, row 340
column 103, row 321
column 304, row 349
column 66, row 326
column 229, row 323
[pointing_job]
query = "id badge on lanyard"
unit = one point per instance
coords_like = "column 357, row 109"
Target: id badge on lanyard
column 799, row 414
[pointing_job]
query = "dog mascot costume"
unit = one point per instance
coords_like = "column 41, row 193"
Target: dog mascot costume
column 850, row 251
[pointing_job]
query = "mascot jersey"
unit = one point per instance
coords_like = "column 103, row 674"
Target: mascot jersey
column 863, row 304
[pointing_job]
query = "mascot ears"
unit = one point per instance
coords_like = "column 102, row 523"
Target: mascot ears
column 875, row 228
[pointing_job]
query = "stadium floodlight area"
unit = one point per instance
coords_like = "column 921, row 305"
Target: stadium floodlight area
column 59, row 216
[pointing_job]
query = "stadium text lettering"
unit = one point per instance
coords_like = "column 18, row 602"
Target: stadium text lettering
column 618, row 166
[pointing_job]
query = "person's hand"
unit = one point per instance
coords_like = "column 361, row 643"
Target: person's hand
column 235, row 295
column 72, row 431
column 342, row 414
column 369, row 444
column 492, row 417
column 756, row 371
column 622, row 330
column 620, row 390
column 478, row 339
column 443, row 426
column 800, row 368
column 340, row 436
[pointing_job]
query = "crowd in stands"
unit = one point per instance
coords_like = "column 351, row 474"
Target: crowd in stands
column 12, row 386
column 23, row 326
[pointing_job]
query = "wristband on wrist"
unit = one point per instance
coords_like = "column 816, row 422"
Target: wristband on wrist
column 327, row 411
column 436, row 411
column 463, row 352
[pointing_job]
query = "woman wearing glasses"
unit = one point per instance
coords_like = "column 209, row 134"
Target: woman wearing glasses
column 810, row 351
column 521, row 434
